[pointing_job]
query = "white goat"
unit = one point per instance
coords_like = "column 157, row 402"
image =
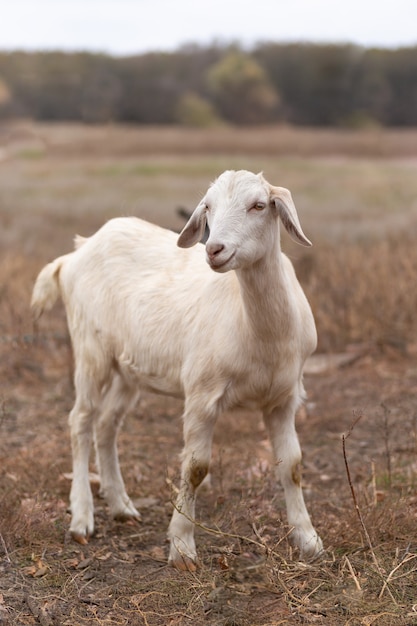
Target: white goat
column 143, row 314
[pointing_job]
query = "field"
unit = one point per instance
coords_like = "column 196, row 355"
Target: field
column 356, row 194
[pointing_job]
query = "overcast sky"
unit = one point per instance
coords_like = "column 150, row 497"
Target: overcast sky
column 132, row 26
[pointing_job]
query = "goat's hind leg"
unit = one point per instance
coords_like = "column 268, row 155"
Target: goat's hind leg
column 81, row 499
column 280, row 425
column 91, row 370
column 114, row 405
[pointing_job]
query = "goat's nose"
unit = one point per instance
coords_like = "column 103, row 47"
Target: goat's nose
column 213, row 249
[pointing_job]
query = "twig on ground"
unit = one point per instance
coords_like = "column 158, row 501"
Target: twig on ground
column 405, row 560
column 386, row 442
column 352, row 573
column 357, row 508
column 6, row 552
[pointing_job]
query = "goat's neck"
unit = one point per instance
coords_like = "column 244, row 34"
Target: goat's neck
column 265, row 297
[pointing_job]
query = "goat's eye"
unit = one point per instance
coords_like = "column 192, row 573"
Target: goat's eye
column 259, row 206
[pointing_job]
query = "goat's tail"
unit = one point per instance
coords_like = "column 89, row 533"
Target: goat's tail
column 79, row 241
column 47, row 289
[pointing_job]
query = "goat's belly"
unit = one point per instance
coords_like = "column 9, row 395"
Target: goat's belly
column 265, row 401
column 158, row 385
column 266, row 393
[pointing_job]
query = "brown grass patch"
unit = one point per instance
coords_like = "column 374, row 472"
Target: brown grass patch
column 73, row 140
column 363, row 291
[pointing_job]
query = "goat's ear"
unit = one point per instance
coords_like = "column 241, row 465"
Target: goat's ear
column 287, row 212
column 194, row 228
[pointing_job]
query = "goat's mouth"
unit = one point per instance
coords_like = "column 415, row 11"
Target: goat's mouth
column 219, row 265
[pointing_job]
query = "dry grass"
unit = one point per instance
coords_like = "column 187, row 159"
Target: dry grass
column 368, row 295
column 360, row 276
column 73, row 140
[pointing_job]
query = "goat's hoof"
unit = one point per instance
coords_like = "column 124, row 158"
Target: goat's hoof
column 183, row 563
column 308, row 542
column 127, row 514
column 182, row 552
column 80, row 538
column 127, row 517
column 312, row 550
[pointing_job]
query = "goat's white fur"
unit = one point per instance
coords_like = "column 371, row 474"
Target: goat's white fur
column 144, row 314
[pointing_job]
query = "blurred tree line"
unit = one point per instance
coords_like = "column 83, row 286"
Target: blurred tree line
column 304, row 84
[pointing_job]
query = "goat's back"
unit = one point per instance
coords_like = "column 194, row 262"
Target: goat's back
column 133, row 298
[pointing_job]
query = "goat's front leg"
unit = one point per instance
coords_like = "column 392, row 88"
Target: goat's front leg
column 198, row 435
column 280, row 424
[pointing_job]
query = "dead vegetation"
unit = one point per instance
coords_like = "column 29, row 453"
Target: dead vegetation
column 72, row 140
column 362, row 496
column 368, row 295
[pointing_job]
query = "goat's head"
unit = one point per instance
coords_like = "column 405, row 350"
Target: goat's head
column 242, row 210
